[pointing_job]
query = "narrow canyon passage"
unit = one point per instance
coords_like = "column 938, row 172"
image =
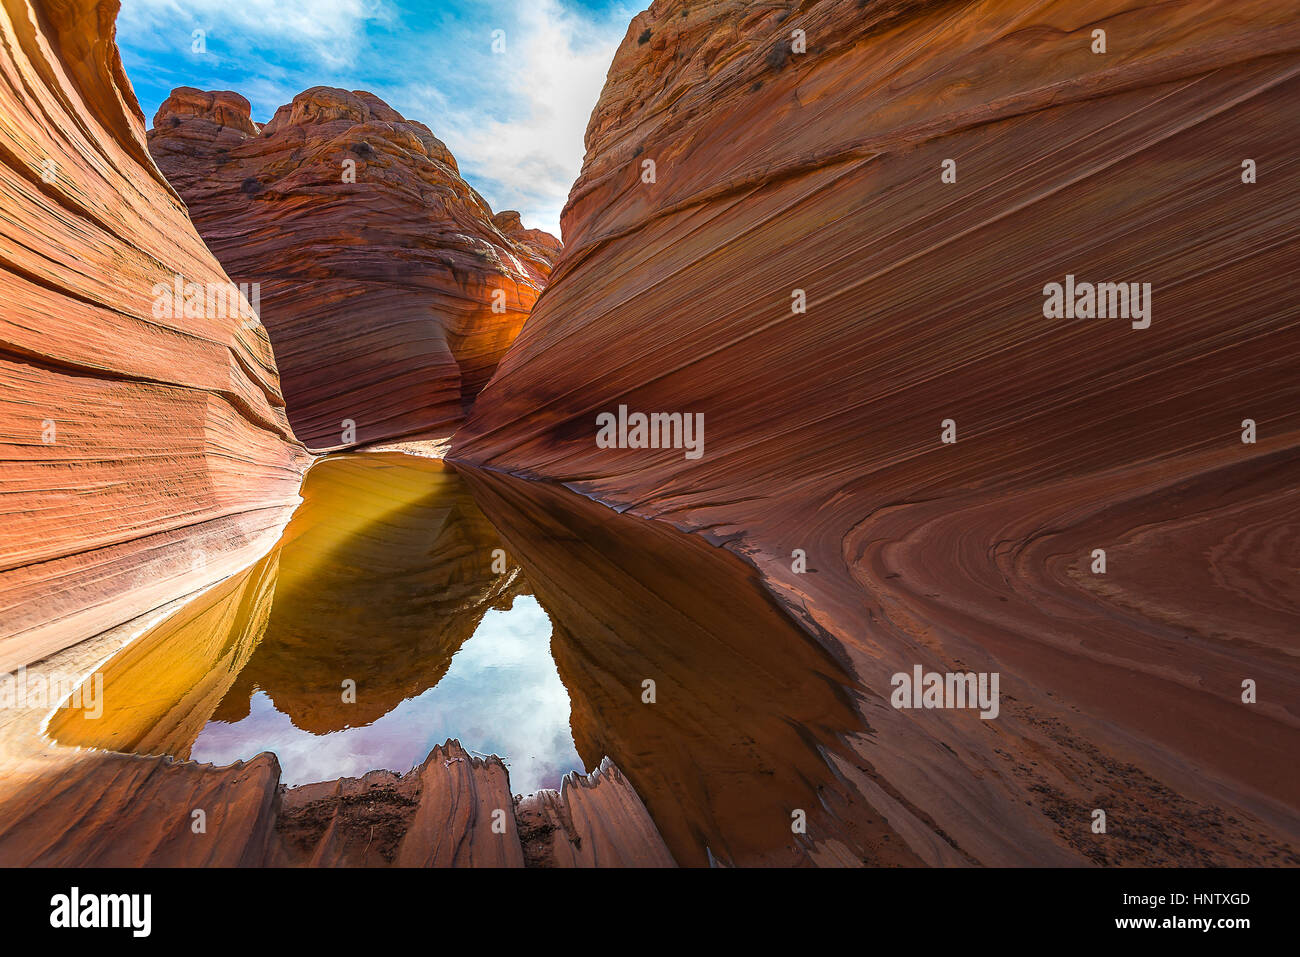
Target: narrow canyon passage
column 312, row 483
column 409, row 603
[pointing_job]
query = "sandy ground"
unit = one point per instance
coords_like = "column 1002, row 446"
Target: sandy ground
column 426, row 448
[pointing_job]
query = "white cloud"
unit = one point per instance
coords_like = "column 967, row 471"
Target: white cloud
column 502, row 695
column 331, row 30
column 522, row 147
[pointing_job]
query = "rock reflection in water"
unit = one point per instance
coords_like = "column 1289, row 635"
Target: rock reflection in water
column 747, row 704
column 500, row 695
column 384, row 577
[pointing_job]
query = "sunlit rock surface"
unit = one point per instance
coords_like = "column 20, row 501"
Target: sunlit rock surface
column 777, row 171
column 143, row 457
column 390, row 289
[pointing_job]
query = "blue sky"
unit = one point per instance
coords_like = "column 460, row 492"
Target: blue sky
column 514, row 121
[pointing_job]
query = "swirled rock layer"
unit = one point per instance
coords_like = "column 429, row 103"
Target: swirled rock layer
column 763, row 234
column 144, row 455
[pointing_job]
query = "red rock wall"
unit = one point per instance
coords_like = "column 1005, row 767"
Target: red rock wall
column 142, row 457
column 821, row 171
column 379, row 292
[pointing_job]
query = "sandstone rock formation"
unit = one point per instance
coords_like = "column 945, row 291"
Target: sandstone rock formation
column 390, row 289
column 594, row 820
column 144, row 456
column 442, row 814
column 785, row 178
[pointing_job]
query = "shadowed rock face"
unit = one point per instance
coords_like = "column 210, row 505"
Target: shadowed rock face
column 143, row 457
column 379, row 266
column 820, row 172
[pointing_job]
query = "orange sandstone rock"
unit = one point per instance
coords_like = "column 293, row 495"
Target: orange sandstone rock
column 390, row 289
column 143, row 456
column 781, row 178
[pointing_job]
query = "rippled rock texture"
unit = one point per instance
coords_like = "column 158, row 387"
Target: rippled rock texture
column 782, row 177
column 390, row 289
column 143, row 456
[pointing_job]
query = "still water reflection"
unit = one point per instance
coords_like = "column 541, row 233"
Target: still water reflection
column 501, row 695
column 384, row 582
column 524, row 620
